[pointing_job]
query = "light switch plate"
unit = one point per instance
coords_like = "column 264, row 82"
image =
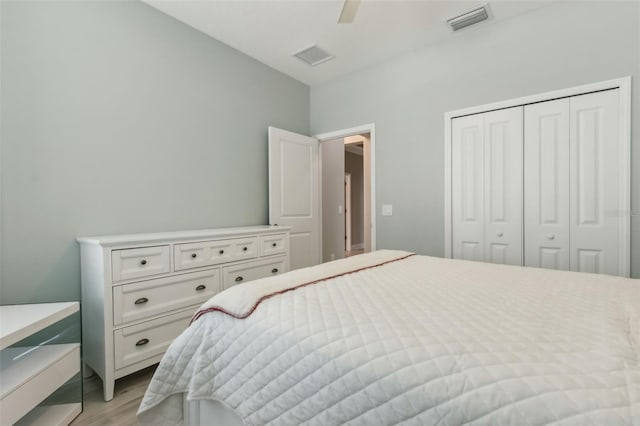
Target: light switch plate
column 387, row 210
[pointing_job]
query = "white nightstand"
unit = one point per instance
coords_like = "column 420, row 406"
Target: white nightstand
column 30, row 374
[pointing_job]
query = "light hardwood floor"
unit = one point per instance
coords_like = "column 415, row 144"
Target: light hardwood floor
column 121, row 410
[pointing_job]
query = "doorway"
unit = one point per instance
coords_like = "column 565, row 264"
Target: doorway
column 300, row 168
column 347, row 194
column 354, row 195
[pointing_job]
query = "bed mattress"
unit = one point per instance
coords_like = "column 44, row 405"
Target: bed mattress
column 411, row 340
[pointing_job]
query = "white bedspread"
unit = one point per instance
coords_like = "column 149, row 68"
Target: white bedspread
column 421, row 341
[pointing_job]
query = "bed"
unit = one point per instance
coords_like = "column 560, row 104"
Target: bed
column 390, row 337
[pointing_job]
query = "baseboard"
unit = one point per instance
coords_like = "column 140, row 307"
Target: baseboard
column 357, row 246
column 91, row 384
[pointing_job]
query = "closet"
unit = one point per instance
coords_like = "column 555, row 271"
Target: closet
column 542, row 181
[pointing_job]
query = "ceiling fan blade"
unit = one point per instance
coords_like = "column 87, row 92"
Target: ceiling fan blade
column 349, row 9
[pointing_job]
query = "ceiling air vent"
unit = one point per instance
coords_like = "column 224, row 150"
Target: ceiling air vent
column 313, row 55
column 468, row 18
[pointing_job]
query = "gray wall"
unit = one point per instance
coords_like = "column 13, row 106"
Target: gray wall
column 353, row 164
column 117, row 118
column 562, row 45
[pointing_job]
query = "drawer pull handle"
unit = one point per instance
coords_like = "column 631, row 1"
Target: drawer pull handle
column 141, row 301
column 193, row 255
column 142, row 342
column 274, row 271
column 221, row 252
column 238, row 279
column 143, row 262
column 244, row 249
column 201, row 287
column 273, row 245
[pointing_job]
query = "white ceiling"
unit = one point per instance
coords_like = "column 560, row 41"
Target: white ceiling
column 272, row 30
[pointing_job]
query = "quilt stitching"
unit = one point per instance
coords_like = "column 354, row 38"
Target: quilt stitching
column 400, row 345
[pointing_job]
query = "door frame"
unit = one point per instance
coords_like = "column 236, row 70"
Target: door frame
column 347, row 211
column 624, row 158
column 371, row 130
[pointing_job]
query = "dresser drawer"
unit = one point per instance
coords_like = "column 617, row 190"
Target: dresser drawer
column 143, row 299
column 273, row 244
column 249, row 271
column 142, row 341
column 207, row 253
column 140, row 262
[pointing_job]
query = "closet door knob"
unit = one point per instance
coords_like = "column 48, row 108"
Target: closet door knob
column 238, row 279
column 244, row 249
column 141, row 301
column 221, row 252
column 143, row 262
column 142, row 342
column 201, row 287
column 274, row 271
column 499, row 234
column 273, row 245
column 193, row 255
column 550, row 236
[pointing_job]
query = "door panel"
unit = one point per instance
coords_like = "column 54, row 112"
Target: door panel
column 294, row 193
column 551, row 258
column 503, row 185
column 594, row 182
column 467, row 176
column 546, row 185
column 296, row 196
column 591, row 261
column 498, row 253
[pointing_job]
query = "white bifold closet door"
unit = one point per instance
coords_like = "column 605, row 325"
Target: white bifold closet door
column 595, row 176
column 571, row 183
column 546, row 184
column 487, row 186
column 467, row 177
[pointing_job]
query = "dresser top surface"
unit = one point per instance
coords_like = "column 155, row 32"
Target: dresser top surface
column 174, row 236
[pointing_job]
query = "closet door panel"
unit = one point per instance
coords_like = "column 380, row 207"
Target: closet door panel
column 546, row 185
column 503, row 186
column 594, row 182
column 467, row 188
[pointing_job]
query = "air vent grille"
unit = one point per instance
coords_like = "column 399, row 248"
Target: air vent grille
column 313, row 55
column 469, row 18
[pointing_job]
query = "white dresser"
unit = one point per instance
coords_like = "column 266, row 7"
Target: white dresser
column 140, row 291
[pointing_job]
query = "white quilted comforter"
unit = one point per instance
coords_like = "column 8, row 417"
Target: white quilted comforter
column 423, row 341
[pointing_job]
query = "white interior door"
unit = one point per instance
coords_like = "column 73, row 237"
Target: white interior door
column 595, row 176
column 467, row 185
column 546, row 185
column 294, row 191
column 503, row 186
